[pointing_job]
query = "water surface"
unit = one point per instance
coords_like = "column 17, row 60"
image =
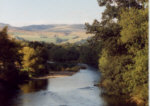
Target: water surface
column 76, row 90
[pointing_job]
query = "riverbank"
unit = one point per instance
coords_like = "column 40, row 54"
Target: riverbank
column 63, row 73
column 56, row 74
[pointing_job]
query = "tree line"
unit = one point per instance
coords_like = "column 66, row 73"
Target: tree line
column 121, row 45
column 22, row 60
column 119, row 48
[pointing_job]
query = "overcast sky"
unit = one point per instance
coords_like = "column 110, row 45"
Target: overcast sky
column 27, row 12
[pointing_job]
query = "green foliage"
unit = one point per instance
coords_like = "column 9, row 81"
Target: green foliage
column 135, row 24
column 28, row 58
column 35, row 60
column 123, row 58
column 63, row 53
column 10, row 57
column 88, row 54
column 136, row 40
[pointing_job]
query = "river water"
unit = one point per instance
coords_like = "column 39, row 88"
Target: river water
column 76, row 90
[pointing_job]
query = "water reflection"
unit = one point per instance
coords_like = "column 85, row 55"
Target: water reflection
column 34, row 85
column 6, row 96
column 116, row 101
column 9, row 96
column 76, row 90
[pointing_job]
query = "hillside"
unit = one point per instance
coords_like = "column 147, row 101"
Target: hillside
column 56, row 33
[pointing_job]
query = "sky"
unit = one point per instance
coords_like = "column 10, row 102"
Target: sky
column 27, row 12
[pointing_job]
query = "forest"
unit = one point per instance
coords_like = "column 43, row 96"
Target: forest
column 122, row 36
column 24, row 60
column 119, row 48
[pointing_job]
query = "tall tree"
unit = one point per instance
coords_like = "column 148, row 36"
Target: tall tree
column 122, row 34
column 9, row 57
column 35, row 60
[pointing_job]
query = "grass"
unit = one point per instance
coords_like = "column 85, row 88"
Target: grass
column 51, row 36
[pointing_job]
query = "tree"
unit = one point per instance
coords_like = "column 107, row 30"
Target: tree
column 35, row 60
column 135, row 35
column 10, row 57
column 123, row 57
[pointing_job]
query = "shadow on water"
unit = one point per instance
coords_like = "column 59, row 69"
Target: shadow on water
column 6, row 98
column 79, row 90
column 34, row 86
column 116, row 101
column 8, row 95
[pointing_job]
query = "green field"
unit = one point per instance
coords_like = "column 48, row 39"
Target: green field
column 51, row 37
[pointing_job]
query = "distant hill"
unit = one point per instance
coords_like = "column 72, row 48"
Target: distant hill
column 52, row 27
column 56, row 33
column 3, row 25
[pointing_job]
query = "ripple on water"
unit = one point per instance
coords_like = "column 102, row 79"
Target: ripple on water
column 76, row 90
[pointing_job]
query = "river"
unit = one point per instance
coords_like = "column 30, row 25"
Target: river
column 76, row 90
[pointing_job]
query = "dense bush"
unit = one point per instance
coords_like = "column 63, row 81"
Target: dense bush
column 123, row 58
